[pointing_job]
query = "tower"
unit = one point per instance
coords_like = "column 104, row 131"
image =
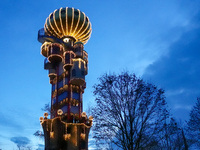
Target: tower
column 65, row 32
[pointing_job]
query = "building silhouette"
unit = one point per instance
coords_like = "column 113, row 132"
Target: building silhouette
column 65, row 32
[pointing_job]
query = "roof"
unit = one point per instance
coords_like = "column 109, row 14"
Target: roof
column 68, row 22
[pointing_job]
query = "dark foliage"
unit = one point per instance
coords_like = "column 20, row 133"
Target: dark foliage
column 39, row 134
column 194, row 124
column 47, row 108
column 173, row 136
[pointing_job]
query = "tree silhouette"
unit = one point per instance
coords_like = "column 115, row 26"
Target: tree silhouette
column 46, row 108
column 194, row 124
column 129, row 112
column 173, row 136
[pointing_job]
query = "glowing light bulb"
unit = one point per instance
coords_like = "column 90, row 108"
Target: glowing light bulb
column 60, row 112
column 90, row 118
column 46, row 114
column 41, row 119
column 83, row 114
column 66, row 40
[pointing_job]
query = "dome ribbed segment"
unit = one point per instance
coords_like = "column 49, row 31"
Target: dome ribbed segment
column 72, row 22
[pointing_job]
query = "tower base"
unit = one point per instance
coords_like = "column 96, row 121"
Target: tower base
column 60, row 135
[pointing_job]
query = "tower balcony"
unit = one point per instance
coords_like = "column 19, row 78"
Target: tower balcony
column 42, row 36
column 77, row 75
column 78, row 49
column 68, row 59
column 55, row 53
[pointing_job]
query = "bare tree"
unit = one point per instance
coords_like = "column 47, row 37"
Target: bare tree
column 194, row 124
column 39, row 133
column 173, row 136
column 129, row 112
column 46, row 108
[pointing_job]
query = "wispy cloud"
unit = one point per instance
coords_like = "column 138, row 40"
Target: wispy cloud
column 20, row 141
column 178, row 72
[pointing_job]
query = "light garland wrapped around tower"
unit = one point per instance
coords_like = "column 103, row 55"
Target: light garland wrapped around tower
column 65, row 32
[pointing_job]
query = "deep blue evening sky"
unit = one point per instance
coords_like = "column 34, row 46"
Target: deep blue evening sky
column 157, row 40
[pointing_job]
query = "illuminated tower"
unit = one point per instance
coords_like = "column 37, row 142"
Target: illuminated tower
column 65, row 32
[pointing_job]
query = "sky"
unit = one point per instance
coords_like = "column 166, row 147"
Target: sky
column 157, row 40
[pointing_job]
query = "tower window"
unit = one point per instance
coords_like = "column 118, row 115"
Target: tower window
column 75, row 50
column 82, row 73
column 76, row 13
column 68, row 130
column 73, row 72
column 67, row 58
column 62, row 11
column 82, row 130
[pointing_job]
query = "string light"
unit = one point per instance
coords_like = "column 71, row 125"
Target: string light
column 82, row 33
column 82, row 25
column 76, row 135
column 77, row 21
column 60, row 18
column 51, row 132
column 77, row 124
column 66, row 30
column 55, row 22
column 72, row 20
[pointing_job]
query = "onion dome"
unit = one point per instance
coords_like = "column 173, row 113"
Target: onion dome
column 68, row 22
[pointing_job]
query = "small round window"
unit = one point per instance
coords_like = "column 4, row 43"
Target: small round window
column 63, row 11
column 76, row 13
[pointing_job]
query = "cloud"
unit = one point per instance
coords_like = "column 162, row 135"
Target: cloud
column 40, row 147
column 7, row 120
column 178, row 72
column 21, row 141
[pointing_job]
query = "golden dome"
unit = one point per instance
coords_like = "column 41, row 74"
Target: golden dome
column 65, row 22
